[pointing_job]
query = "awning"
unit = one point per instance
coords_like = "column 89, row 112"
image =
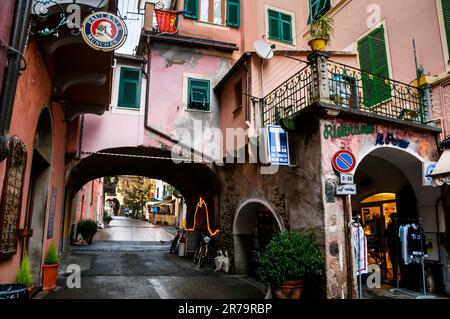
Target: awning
column 170, row 202
column 441, row 173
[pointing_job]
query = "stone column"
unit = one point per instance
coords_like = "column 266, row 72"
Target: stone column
column 319, row 72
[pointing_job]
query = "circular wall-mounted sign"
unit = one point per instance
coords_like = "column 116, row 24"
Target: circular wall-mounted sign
column 344, row 161
column 104, row 31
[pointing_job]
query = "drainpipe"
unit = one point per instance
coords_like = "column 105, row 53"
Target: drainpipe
column 18, row 40
column 148, row 62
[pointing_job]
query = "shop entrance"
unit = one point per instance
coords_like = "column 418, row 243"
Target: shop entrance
column 387, row 195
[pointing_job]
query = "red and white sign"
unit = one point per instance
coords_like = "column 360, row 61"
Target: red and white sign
column 344, row 161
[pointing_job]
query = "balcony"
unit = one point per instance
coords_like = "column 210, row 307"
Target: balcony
column 347, row 89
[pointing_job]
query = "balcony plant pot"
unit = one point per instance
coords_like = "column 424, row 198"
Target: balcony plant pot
column 49, row 277
column 318, row 44
column 290, row 289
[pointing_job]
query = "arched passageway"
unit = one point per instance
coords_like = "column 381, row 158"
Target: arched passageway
column 254, row 225
column 390, row 188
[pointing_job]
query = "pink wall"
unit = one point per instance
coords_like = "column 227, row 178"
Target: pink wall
column 110, row 130
column 6, row 18
column 167, row 110
column 32, row 95
column 88, row 201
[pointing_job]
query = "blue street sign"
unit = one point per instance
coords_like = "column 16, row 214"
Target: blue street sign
column 278, row 145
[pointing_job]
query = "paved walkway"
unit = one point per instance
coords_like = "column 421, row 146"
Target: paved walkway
column 127, row 229
column 143, row 268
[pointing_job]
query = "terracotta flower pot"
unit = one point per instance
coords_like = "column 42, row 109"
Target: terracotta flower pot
column 30, row 291
column 318, row 44
column 49, row 277
column 290, row 289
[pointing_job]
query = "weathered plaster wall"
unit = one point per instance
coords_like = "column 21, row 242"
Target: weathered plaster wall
column 171, row 66
column 6, row 18
column 422, row 147
column 32, row 95
column 294, row 193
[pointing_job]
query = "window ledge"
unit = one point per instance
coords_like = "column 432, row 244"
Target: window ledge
column 211, row 25
column 195, row 110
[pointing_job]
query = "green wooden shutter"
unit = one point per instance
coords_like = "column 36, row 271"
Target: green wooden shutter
column 130, row 88
column 286, row 27
column 233, row 13
column 318, row 7
column 280, row 26
column 191, row 6
column 373, row 59
column 380, row 64
column 446, row 12
column 199, row 95
column 274, row 25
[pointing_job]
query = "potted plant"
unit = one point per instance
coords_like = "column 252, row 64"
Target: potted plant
column 106, row 219
column 320, row 33
column 49, row 270
column 289, row 259
column 87, row 229
column 24, row 276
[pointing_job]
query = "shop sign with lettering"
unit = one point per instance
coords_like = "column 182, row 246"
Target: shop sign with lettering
column 390, row 139
column 343, row 130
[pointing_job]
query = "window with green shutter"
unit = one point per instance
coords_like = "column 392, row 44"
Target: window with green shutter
column 198, row 94
column 191, row 9
column 233, row 13
column 280, row 26
column 318, row 8
column 373, row 60
column 130, row 88
column 446, row 13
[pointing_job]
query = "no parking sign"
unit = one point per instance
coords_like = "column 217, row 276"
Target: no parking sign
column 344, row 161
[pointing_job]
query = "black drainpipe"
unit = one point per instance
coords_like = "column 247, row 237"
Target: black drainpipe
column 18, row 40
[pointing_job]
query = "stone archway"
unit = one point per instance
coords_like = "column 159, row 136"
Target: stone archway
column 255, row 223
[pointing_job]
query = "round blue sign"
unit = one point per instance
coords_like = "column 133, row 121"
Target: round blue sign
column 104, row 31
column 344, row 161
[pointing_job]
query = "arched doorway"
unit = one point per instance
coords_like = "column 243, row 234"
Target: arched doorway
column 254, row 225
column 389, row 184
column 38, row 192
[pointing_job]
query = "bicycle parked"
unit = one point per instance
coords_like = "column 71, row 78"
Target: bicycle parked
column 203, row 251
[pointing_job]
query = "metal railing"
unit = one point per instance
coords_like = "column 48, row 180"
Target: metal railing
column 350, row 88
column 288, row 98
column 367, row 92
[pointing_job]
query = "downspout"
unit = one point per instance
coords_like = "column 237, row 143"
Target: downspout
column 19, row 36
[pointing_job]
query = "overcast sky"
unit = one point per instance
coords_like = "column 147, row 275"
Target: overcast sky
column 134, row 25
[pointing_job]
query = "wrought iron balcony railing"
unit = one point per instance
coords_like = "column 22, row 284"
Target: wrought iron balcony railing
column 367, row 92
column 288, row 98
column 346, row 87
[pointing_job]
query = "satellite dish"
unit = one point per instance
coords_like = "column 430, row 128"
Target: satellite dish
column 263, row 49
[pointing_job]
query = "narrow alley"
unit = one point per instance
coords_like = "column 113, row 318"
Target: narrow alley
column 131, row 260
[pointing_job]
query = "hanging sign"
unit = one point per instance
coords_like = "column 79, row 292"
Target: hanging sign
column 344, row 161
column 104, row 31
column 347, row 189
column 278, row 145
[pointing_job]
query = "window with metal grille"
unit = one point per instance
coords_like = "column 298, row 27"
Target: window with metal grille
column 199, row 95
column 11, row 201
column 130, row 88
column 280, row 26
